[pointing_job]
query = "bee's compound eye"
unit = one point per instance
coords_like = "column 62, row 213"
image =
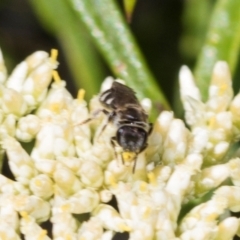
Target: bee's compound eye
column 131, row 138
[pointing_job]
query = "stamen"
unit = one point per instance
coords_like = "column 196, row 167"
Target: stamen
column 147, row 213
column 211, row 217
column 54, row 54
column 3, row 235
column 143, row 186
column 38, row 183
column 124, row 228
column 56, row 76
column 24, row 215
column 112, row 181
column 42, row 235
column 81, row 94
column 152, row 178
column 65, row 207
column 68, row 237
column 212, row 122
column 222, row 89
column 55, row 107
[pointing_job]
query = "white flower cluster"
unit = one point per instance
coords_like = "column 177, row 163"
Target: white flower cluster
column 72, row 169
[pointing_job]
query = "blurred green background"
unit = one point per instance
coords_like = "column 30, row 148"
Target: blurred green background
column 165, row 34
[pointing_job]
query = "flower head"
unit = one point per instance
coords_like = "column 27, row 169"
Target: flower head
column 72, row 171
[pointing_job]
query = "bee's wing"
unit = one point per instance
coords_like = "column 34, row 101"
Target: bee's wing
column 118, row 96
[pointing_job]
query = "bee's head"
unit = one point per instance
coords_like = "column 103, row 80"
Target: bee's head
column 131, row 138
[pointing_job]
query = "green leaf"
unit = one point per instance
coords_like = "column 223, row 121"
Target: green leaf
column 117, row 45
column 194, row 26
column 222, row 42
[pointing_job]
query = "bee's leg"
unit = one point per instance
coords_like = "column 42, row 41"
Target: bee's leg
column 150, row 128
column 94, row 115
column 134, row 164
column 122, row 159
column 143, row 148
column 135, row 159
column 113, row 143
column 110, row 118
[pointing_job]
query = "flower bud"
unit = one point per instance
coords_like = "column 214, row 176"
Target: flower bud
column 64, row 224
column 105, row 195
column 175, row 144
column 82, row 132
column 109, row 218
column 8, row 232
column 220, row 90
column 17, row 77
column 66, row 182
column 42, row 186
column 57, row 102
column 8, row 126
column 36, row 84
column 21, row 71
column 211, row 177
column 201, row 220
column 199, row 140
column 91, row 230
column 53, row 140
column 227, row 228
column 179, row 182
column 73, row 163
column 31, row 229
column 27, row 128
column 34, row 206
column 9, row 216
column 142, row 230
column 234, row 168
column 6, row 185
column 83, row 201
column 46, row 166
column 163, row 122
column 12, row 102
column 231, row 194
column 187, row 84
column 190, row 96
column 165, row 228
column 91, row 174
column 19, row 161
column 147, row 105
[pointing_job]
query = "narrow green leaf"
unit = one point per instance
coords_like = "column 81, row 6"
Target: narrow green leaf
column 119, row 48
column 222, row 42
column 194, row 26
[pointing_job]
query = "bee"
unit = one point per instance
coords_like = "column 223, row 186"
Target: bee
column 123, row 109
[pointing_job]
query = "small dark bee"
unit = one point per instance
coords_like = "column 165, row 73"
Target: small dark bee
column 124, row 110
